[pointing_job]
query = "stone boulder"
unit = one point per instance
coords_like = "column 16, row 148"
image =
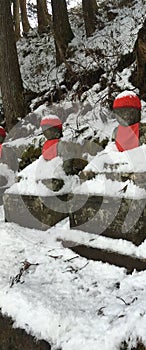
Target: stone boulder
column 53, row 184
column 111, row 217
column 35, row 212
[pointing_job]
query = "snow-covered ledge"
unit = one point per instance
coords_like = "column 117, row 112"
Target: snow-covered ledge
column 17, row 338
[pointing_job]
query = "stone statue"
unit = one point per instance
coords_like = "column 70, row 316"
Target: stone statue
column 52, row 130
column 131, row 132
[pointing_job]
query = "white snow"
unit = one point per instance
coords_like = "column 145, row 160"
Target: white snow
column 126, row 93
column 128, row 161
column 30, row 177
column 51, row 116
column 101, row 186
column 121, row 162
column 65, row 299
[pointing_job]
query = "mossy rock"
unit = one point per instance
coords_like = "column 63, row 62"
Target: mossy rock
column 30, row 154
column 53, row 184
column 74, row 166
column 35, row 211
column 109, row 216
column 86, row 175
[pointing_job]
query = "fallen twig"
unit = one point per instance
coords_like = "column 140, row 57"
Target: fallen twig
column 56, row 256
column 127, row 304
column 75, row 257
column 17, row 278
column 75, row 269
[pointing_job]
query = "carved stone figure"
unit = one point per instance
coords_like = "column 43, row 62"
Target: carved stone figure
column 131, row 132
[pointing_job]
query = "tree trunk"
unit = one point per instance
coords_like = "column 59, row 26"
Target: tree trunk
column 140, row 48
column 62, row 30
column 43, row 17
column 10, row 78
column 16, row 19
column 46, row 10
column 24, row 17
column 94, row 5
column 90, row 10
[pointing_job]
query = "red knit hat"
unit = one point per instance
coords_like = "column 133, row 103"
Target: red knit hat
column 51, row 121
column 127, row 99
column 2, row 132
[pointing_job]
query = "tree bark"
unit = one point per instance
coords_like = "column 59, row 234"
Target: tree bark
column 24, row 17
column 90, row 10
column 10, row 78
column 46, row 10
column 140, row 47
column 94, row 5
column 44, row 17
column 62, row 30
column 16, row 19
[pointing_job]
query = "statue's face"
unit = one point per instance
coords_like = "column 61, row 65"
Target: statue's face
column 127, row 116
column 52, row 132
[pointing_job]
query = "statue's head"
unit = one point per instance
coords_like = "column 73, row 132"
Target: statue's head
column 127, row 108
column 51, row 127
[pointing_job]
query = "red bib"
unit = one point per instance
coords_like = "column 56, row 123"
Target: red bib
column 49, row 150
column 127, row 137
column 0, row 150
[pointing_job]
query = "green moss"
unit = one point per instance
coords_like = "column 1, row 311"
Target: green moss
column 31, row 153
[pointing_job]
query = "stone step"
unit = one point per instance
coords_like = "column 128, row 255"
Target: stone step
column 113, row 217
column 137, row 178
column 33, row 211
column 17, row 339
column 107, row 256
column 13, row 338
